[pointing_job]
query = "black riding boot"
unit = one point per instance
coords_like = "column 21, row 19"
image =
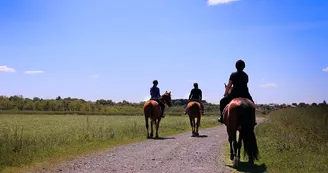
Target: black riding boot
column 221, row 113
column 221, row 118
column 203, row 110
column 162, row 113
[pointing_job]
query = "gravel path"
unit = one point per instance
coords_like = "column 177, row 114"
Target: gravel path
column 178, row 153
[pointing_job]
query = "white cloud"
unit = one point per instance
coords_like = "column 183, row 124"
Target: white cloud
column 325, row 69
column 94, row 76
column 34, row 72
column 268, row 85
column 217, row 2
column 6, row 69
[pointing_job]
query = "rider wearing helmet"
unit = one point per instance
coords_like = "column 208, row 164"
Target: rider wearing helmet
column 196, row 95
column 238, row 81
column 155, row 94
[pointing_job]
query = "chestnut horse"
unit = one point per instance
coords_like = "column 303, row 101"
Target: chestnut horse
column 239, row 115
column 194, row 111
column 153, row 110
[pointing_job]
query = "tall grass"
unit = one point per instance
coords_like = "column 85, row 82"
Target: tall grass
column 294, row 140
column 27, row 139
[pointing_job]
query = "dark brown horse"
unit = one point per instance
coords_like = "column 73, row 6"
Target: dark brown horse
column 194, row 111
column 152, row 111
column 239, row 115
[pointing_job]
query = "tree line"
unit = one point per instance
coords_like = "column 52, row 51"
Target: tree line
column 59, row 105
column 18, row 103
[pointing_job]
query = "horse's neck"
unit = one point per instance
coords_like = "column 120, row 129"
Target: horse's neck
column 161, row 99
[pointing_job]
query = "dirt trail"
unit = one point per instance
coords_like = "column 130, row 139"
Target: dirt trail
column 174, row 154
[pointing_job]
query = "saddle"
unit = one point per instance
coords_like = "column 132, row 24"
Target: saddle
column 158, row 101
column 195, row 100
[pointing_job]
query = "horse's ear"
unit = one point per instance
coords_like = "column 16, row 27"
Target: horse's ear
column 225, row 84
column 170, row 92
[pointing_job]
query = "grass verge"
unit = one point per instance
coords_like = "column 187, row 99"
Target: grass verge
column 31, row 141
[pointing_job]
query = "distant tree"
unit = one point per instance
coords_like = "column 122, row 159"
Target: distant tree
column 36, row 99
column 303, row 105
column 314, row 104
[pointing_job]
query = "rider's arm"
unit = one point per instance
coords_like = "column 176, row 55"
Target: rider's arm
column 228, row 87
column 200, row 95
column 190, row 94
column 159, row 93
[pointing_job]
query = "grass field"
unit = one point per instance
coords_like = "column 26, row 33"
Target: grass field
column 30, row 139
column 293, row 140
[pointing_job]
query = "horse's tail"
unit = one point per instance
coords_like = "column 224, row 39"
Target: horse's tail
column 195, row 107
column 247, row 131
column 149, row 110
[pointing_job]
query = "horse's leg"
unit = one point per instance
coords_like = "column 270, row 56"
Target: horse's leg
column 234, row 140
column 198, row 124
column 151, row 128
column 231, row 148
column 239, row 144
column 147, row 125
column 157, row 126
column 251, row 154
column 192, row 125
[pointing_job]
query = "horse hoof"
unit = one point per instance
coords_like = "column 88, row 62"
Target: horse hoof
column 197, row 134
column 156, row 136
column 235, row 162
column 148, row 137
column 231, row 157
column 251, row 162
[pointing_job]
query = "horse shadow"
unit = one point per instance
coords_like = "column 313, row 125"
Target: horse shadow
column 200, row 136
column 246, row 167
column 162, row 138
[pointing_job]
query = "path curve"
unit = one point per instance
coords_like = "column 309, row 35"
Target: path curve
column 174, row 154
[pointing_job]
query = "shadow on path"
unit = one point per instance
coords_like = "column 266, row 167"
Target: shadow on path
column 245, row 167
column 201, row 136
column 162, row 138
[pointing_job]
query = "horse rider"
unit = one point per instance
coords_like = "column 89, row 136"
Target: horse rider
column 155, row 95
column 196, row 95
column 238, row 81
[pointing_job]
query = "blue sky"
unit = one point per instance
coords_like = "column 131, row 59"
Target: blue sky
column 114, row 49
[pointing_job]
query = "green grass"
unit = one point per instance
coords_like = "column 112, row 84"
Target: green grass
column 26, row 140
column 293, row 140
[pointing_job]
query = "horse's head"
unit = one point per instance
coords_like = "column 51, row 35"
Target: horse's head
column 225, row 86
column 166, row 97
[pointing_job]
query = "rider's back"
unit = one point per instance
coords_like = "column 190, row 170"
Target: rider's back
column 239, row 83
column 154, row 92
column 195, row 94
